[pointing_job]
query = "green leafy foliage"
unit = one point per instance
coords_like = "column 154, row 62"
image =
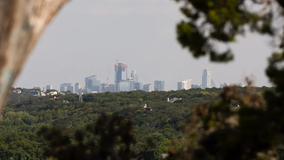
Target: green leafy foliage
column 23, row 118
column 112, row 138
column 210, row 24
column 255, row 131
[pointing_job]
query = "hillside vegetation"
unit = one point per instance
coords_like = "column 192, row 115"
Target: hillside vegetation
column 24, row 116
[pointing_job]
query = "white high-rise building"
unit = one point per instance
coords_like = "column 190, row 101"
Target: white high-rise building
column 186, row 84
column 78, row 87
column 134, row 76
column 206, row 78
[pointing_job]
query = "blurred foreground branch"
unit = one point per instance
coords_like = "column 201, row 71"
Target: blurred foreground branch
column 21, row 24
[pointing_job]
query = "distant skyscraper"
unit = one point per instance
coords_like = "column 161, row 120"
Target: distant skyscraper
column 70, row 88
column 186, row 84
column 78, row 87
column 110, row 88
column 123, row 86
column 66, row 87
column 147, row 87
column 134, row 76
column 103, row 87
column 138, row 86
column 159, row 85
column 206, row 78
column 93, row 83
column 120, row 76
column 48, row 87
column 131, row 83
column 196, row 86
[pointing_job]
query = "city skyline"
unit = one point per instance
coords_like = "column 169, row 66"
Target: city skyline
column 69, row 50
column 127, row 76
column 123, row 83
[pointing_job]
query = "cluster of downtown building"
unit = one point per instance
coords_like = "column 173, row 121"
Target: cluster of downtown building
column 122, row 83
column 207, row 82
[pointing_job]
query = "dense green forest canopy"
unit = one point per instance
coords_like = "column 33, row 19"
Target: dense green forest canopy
column 24, row 115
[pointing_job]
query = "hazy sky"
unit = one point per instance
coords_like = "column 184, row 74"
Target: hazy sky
column 88, row 36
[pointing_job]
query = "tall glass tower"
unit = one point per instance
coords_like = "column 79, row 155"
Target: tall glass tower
column 206, row 78
column 92, row 83
column 159, row 85
column 66, row 87
column 134, row 76
column 120, row 74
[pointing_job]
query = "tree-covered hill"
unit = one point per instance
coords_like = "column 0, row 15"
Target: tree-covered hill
column 25, row 115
